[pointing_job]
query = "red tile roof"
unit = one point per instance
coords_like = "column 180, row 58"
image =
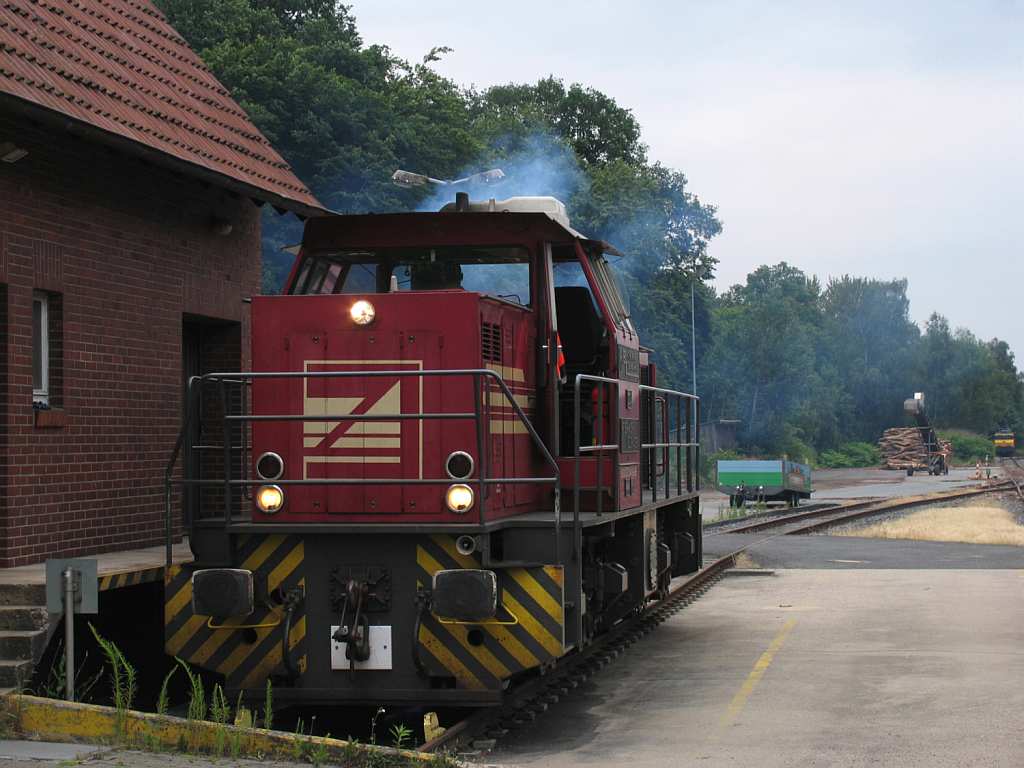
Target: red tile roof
column 118, row 66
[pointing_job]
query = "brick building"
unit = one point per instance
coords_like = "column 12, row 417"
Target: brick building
column 131, row 186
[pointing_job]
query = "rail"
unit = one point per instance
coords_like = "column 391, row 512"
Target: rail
column 483, row 380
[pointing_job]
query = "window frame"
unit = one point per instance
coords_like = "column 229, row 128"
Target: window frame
column 42, row 394
column 388, row 260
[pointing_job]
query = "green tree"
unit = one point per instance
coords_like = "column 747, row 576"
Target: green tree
column 595, row 126
column 870, row 341
column 344, row 115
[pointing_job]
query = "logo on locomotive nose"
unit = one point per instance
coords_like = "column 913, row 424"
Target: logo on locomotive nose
column 372, row 444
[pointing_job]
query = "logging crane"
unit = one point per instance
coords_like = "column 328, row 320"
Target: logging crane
column 936, row 450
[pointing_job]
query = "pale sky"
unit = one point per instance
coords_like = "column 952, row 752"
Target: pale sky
column 876, row 139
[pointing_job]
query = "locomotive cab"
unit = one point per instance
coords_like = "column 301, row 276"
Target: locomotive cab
column 449, row 466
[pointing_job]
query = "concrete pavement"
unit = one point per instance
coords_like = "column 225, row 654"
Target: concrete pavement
column 821, row 551
column 809, row 668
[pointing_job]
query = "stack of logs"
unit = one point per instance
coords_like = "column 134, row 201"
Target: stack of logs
column 903, row 448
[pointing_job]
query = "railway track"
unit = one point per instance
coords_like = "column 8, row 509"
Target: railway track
column 528, row 700
column 819, row 519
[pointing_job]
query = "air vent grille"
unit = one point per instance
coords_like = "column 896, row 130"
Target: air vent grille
column 490, row 342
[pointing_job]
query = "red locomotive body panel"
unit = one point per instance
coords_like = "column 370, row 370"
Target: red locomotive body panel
column 414, row 332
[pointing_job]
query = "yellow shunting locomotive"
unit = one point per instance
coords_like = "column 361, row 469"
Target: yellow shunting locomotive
column 1004, row 442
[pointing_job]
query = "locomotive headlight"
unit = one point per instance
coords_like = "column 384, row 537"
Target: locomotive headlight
column 270, row 466
column 362, row 312
column 459, row 498
column 459, row 465
column 269, row 499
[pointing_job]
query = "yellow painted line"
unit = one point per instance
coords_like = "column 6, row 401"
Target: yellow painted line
column 262, row 552
column 537, row 592
column 182, row 636
column 68, row 721
column 740, row 699
column 448, row 660
column 499, row 400
column 284, row 569
column 516, row 649
column 272, row 660
column 426, row 562
column 534, row 628
column 243, row 651
column 508, row 427
column 511, row 644
column 208, row 648
column 556, row 574
column 175, row 605
column 487, row 660
column 507, row 372
column 448, row 545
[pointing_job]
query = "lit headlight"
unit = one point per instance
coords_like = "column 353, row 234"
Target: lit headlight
column 269, row 499
column 459, row 498
column 362, row 312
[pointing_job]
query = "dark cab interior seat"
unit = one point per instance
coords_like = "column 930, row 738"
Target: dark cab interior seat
column 579, row 326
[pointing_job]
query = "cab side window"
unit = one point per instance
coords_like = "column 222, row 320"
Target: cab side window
column 580, row 326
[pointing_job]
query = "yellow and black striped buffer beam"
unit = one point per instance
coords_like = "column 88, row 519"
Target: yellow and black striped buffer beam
column 247, row 650
column 531, row 613
column 130, row 578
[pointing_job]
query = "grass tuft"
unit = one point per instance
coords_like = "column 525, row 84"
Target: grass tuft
column 268, row 707
column 196, row 694
column 124, row 682
column 163, row 699
column 971, row 525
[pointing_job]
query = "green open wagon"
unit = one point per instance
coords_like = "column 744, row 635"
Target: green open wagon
column 766, row 480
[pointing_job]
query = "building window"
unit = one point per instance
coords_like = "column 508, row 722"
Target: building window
column 40, row 348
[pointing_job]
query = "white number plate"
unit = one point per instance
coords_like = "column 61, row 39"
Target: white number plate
column 380, row 650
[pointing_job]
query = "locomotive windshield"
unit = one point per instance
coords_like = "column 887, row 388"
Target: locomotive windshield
column 503, row 272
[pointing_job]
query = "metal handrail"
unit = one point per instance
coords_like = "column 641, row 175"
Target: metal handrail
column 481, row 377
column 691, row 441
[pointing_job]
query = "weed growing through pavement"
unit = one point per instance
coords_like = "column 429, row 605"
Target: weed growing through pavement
column 220, row 710
column 318, row 753
column 373, row 724
column 268, row 707
column 299, row 747
column 236, row 745
column 124, row 684
column 401, row 736
column 196, row 694
column 220, row 715
column 163, row 700
column 55, row 684
column 351, row 752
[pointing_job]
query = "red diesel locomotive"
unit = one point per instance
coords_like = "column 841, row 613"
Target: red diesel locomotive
column 449, row 467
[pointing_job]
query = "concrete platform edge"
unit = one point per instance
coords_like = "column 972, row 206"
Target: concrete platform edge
column 33, row 717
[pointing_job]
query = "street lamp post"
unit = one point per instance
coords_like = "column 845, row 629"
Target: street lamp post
column 693, row 327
